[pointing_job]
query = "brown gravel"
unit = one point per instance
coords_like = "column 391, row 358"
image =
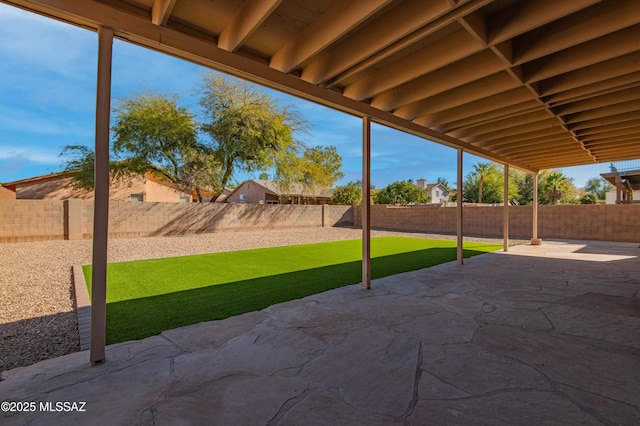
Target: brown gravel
column 37, row 307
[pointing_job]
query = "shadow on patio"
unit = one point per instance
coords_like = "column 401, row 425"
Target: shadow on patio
column 539, row 335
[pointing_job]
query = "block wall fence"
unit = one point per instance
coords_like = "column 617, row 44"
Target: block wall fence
column 38, row 220
column 617, row 222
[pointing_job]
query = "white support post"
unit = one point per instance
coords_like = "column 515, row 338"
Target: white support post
column 366, row 203
column 535, row 241
column 505, row 220
column 460, row 217
column 101, row 205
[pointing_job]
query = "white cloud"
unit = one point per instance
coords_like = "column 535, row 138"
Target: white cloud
column 38, row 155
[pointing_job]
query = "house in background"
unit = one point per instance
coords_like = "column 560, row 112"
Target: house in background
column 6, row 194
column 438, row 193
column 57, row 186
column 261, row 191
column 625, row 178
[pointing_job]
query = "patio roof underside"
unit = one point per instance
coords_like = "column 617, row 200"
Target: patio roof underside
column 535, row 84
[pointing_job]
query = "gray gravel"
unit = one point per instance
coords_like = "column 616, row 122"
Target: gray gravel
column 37, row 307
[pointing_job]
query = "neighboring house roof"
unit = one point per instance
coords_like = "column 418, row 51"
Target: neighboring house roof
column 45, row 191
column 430, row 187
column 7, row 194
column 56, row 175
column 293, row 190
column 224, row 195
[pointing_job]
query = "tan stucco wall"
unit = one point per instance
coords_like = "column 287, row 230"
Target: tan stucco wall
column 60, row 189
column 6, row 194
column 156, row 192
column 255, row 194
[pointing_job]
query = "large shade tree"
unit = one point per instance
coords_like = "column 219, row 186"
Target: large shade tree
column 151, row 132
column 402, row 192
column 317, row 168
column 249, row 131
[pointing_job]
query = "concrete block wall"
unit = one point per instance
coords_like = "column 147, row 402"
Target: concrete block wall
column 579, row 222
column 31, row 220
column 623, row 222
column 148, row 219
column 337, row 215
column 36, row 220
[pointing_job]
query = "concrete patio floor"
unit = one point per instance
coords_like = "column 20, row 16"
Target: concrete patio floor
column 540, row 335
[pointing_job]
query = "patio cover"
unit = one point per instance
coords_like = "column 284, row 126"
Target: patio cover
column 535, row 84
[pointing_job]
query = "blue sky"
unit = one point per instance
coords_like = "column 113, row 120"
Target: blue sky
column 47, row 101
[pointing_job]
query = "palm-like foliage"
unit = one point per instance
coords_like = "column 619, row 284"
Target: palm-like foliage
column 481, row 169
column 555, row 186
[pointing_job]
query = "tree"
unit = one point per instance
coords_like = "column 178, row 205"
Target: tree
column 599, row 187
column 402, row 192
column 555, row 186
column 588, row 198
column 444, row 182
column 79, row 162
column 486, row 184
column 481, row 170
column 318, row 167
column 350, row 193
column 249, row 131
column 152, row 133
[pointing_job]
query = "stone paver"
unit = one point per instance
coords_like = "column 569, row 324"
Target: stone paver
column 540, row 335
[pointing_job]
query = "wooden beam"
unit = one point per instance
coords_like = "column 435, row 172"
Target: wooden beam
column 513, row 111
column 592, row 74
column 603, row 124
column 137, row 29
column 366, row 202
column 510, row 116
column 481, row 108
column 248, row 19
column 401, row 21
column 459, row 9
column 603, row 87
column 524, row 16
column 614, row 98
column 583, row 55
column 480, row 89
column 465, row 71
column 101, row 203
column 551, row 132
column 453, row 48
column 514, row 125
column 324, row 31
column 602, row 112
column 578, row 28
column 161, row 11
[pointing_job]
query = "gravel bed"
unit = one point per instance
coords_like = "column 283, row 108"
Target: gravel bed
column 37, row 306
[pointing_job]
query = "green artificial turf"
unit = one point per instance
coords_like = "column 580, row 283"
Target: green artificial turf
column 148, row 296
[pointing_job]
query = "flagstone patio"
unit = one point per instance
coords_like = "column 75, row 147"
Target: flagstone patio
column 539, row 335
